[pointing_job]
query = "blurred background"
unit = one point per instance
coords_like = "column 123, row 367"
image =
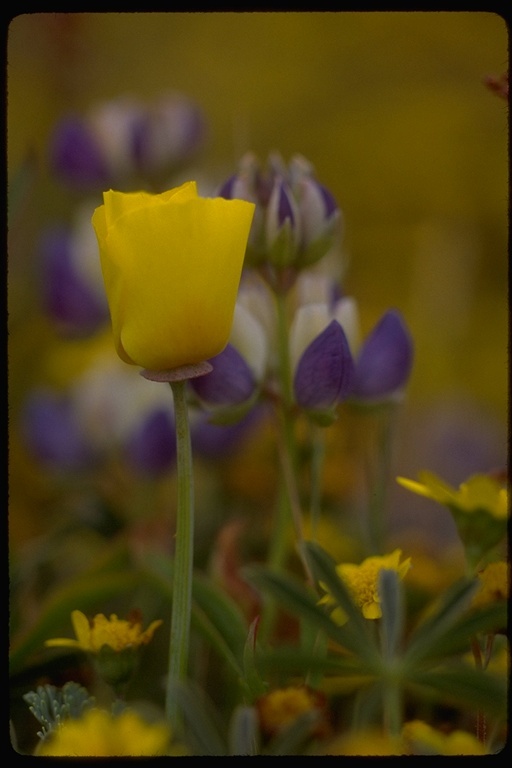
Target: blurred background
column 393, row 111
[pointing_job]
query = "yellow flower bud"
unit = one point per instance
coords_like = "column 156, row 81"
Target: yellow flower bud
column 171, row 265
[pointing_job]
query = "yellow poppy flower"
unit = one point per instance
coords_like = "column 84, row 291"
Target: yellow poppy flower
column 91, row 636
column 100, row 734
column 362, row 581
column 171, row 265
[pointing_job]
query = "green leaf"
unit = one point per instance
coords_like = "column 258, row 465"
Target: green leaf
column 252, row 678
column 244, row 736
column 214, row 615
column 440, row 621
column 356, row 630
column 392, row 622
column 201, row 730
column 485, row 620
column 465, row 687
column 223, row 612
column 290, row 660
column 86, row 593
column 294, row 598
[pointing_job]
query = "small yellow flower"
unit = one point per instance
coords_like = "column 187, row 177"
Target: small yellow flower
column 362, row 581
column 422, row 739
column 478, row 492
column 171, row 265
column 100, row 734
column 494, row 584
column 280, row 708
column 119, row 634
column 479, row 508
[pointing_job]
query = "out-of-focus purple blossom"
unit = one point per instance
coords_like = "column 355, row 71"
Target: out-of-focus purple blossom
column 76, row 155
column 74, row 300
column 216, row 441
column 230, row 383
column 52, row 433
column 325, row 371
column 151, row 448
column 297, row 220
column 118, row 141
column 384, row 363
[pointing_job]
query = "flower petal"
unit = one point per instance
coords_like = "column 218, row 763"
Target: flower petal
column 325, row 370
column 385, row 360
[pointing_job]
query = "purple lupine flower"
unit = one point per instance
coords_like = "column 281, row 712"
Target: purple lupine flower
column 118, row 140
column 151, row 448
column 296, row 221
column 52, row 434
column 230, row 383
column 76, row 155
column 324, row 373
column 385, row 360
column 77, row 307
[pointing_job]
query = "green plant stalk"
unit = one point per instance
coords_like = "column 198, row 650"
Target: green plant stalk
column 317, row 462
column 392, row 707
column 378, row 467
column 184, row 553
column 286, row 430
column 288, row 506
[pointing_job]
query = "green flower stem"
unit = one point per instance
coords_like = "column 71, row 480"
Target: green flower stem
column 286, row 430
column 379, row 434
column 288, row 506
column 392, row 704
column 183, row 559
column 317, row 463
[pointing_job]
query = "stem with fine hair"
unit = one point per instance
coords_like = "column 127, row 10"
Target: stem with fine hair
column 184, row 552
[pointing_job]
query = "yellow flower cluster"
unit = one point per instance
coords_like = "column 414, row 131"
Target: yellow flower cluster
column 118, row 634
column 280, row 708
column 100, row 734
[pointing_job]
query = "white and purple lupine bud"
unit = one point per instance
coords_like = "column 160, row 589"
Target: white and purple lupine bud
column 239, row 369
column 297, row 220
column 324, row 374
column 320, row 355
column 282, row 225
column 72, row 288
column 119, row 141
column 384, row 362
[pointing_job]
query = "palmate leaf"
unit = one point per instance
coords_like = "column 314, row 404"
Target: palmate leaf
column 202, row 731
column 244, row 732
column 392, row 605
column 463, row 686
column 357, row 628
column 292, row 661
column 440, row 621
column 294, row 597
column 485, row 620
